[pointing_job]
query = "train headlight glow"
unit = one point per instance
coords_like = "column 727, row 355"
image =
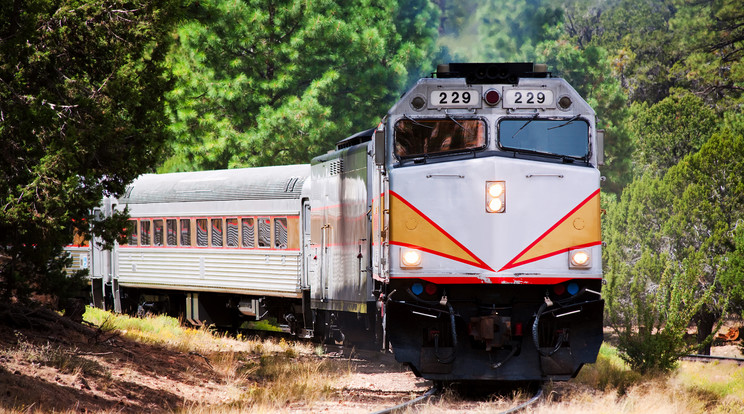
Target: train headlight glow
column 410, row 258
column 579, row 259
column 495, row 196
column 496, row 189
column 495, row 205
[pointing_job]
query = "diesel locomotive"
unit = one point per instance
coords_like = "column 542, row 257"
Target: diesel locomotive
column 462, row 232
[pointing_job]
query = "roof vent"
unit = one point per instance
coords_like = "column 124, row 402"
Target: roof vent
column 336, row 167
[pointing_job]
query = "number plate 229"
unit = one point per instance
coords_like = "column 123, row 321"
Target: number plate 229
column 454, row 98
column 529, row 98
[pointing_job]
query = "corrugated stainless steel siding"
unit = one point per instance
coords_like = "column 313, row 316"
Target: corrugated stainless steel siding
column 212, row 269
column 77, row 254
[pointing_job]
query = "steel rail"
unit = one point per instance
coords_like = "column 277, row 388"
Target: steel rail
column 526, row 404
column 406, row 404
column 710, row 358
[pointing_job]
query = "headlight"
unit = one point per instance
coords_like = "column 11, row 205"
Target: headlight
column 579, row 259
column 495, row 196
column 496, row 189
column 410, row 258
column 495, row 205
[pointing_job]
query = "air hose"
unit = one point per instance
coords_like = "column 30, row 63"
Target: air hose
column 450, row 358
column 536, row 334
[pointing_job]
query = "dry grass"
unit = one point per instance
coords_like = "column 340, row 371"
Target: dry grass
column 609, row 386
column 252, row 375
column 169, row 332
column 273, row 382
column 269, row 373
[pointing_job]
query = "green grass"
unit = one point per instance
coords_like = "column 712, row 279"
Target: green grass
column 155, row 330
column 719, row 382
column 609, row 372
column 263, row 325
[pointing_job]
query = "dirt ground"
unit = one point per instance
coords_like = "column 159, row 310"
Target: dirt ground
column 51, row 364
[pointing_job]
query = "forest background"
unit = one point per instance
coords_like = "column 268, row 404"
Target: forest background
column 96, row 92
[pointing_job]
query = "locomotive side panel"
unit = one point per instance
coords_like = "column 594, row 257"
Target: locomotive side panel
column 340, row 230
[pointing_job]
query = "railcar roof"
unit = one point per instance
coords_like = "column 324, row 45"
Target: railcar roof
column 260, row 183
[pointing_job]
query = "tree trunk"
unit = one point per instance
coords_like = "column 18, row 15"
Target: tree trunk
column 705, row 321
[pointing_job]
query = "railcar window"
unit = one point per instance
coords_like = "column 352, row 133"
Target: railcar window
column 171, row 231
column 144, row 232
column 216, row 232
column 416, row 137
column 202, row 233
column 563, row 137
column 249, row 232
column 185, row 232
column 281, row 236
column 232, row 232
column 264, row 232
column 132, row 236
column 157, row 232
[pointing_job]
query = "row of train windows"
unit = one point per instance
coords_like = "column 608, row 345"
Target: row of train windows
column 247, row 232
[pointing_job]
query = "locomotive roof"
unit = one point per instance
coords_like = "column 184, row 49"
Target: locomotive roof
column 260, row 183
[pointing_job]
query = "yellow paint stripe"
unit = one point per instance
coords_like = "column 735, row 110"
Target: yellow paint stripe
column 579, row 228
column 410, row 227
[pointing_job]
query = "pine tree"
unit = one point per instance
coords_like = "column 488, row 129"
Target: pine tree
column 81, row 115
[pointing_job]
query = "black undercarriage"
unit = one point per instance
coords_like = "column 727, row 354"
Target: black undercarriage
column 495, row 333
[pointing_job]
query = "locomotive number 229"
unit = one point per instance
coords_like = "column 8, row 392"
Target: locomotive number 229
column 454, row 98
column 529, row 98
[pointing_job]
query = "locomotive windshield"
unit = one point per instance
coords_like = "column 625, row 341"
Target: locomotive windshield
column 416, row 137
column 563, row 137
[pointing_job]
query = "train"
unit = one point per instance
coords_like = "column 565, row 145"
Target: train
column 462, row 233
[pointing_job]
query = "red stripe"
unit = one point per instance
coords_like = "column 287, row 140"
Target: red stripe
column 479, row 263
column 534, row 259
column 424, row 249
column 496, row 280
column 512, row 262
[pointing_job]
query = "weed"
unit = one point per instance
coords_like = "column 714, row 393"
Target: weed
column 716, row 383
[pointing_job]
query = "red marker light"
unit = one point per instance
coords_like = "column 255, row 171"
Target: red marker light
column 492, row 97
column 430, row 288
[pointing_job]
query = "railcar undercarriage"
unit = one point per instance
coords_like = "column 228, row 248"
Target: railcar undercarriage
column 495, row 333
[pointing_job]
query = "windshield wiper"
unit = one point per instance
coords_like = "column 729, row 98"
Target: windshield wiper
column 565, row 123
column 453, row 119
column 417, row 123
column 525, row 125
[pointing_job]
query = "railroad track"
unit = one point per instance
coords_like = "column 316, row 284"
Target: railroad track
column 712, row 358
column 436, row 389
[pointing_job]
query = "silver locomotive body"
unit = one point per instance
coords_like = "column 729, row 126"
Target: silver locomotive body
column 491, row 199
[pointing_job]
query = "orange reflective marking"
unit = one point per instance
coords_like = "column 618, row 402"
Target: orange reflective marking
column 579, row 228
column 409, row 227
